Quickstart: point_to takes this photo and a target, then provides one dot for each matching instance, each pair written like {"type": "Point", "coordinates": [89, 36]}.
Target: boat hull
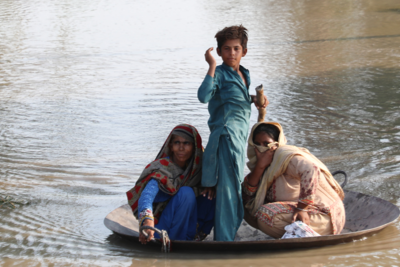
{"type": "Point", "coordinates": [365, 216]}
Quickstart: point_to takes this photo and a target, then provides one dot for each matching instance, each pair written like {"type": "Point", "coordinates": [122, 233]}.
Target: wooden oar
{"type": "Point", "coordinates": [261, 100]}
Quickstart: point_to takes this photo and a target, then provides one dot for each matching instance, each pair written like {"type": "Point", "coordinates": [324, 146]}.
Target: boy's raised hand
{"type": "Point", "coordinates": [209, 58]}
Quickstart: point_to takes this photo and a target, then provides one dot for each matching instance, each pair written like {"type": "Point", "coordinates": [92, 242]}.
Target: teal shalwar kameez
{"type": "Point", "coordinates": [224, 157]}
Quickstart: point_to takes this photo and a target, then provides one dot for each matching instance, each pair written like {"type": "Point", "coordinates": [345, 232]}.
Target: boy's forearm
{"type": "Point", "coordinates": [211, 70]}
{"type": "Point", "coordinates": [205, 92]}
{"type": "Point", "coordinates": [206, 89]}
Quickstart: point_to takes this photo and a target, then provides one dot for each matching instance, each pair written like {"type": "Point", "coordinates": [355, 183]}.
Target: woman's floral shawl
{"type": "Point", "coordinates": [170, 177]}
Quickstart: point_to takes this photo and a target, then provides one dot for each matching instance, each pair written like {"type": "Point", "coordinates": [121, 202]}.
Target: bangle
{"type": "Point", "coordinates": [301, 209]}
{"type": "Point", "coordinates": [145, 214]}
{"type": "Point", "coordinates": [145, 218]}
{"type": "Point", "coordinates": [247, 181]}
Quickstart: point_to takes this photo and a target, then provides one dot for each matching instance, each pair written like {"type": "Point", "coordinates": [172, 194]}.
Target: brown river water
{"type": "Point", "coordinates": [89, 91]}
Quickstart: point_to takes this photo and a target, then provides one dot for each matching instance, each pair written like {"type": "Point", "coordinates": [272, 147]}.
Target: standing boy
{"type": "Point", "coordinates": [226, 88]}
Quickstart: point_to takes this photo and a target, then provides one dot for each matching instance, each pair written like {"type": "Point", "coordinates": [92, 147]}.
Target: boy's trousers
{"type": "Point", "coordinates": [229, 208]}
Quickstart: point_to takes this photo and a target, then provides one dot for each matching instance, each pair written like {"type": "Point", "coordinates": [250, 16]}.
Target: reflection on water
{"type": "Point", "coordinates": [89, 91]}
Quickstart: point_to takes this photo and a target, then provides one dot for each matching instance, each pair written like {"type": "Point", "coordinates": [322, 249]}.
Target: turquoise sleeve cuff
{"type": "Point", "coordinates": [206, 90]}
{"type": "Point", "coordinates": [208, 79]}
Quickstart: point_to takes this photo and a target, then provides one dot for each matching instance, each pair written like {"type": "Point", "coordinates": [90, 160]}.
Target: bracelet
{"type": "Point", "coordinates": [145, 218]}
{"type": "Point", "coordinates": [249, 189]}
{"type": "Point", "coordinates": [247, 181]}
{"type": "Point", "coordinates": [301, 209]}
{"type": "Point", "coordinates": [145, 214]}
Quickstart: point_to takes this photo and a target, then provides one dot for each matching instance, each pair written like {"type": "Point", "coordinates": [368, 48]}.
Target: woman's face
{"type": "Point", "coordinates": [263, 139]}
{"type": "Point", "coordinates": [181, 150]}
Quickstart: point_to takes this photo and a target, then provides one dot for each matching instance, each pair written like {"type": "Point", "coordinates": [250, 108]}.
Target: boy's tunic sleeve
{"type": "Point", "coordinates": [208, 88]}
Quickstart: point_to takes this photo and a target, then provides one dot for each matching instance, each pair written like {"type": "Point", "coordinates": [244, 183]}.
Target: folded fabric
{"type": "Point", "coordinates": [262, 149]}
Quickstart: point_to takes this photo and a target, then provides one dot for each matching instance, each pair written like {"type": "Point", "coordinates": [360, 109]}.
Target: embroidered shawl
{"type": "Point", "coordinates": [279, 164]}
{"type": "Point", "coordinates": [170, 176]}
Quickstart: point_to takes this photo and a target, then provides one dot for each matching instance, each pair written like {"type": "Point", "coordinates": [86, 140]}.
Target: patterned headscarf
{"type": "Point", "coordinates": [170, 176]}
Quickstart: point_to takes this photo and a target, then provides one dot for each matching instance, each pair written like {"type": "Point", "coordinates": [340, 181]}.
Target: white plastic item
{"type": "Point", "coordinates": [298, 229]}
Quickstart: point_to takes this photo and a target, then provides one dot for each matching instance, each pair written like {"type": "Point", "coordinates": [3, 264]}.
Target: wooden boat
{"type": "Point", "coordinates": [365, 216]}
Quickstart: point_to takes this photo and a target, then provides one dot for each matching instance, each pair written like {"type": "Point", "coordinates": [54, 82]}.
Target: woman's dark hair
{"type": "Point", "coordinates": [269, 129]}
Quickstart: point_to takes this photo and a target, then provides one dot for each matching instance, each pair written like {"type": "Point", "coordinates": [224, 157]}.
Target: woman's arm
{"type": "Point", "coordinates": [248, 191]}
{"type": "Point", "coordinates": [145, 206]}
{"type": "Point", "coordinates": [263, 161]}
{"type": "Point", "coordinates": [308, 174]}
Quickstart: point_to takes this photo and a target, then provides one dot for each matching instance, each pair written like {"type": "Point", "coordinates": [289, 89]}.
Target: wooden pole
{"type": "Point", "coordinates": [261, 100]}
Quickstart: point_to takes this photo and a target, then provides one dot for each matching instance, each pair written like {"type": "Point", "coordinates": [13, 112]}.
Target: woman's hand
{"type": "Point", "coordinates": [210, 191]}
{"type": "Point", "coordinates": [150, 233]}
{"type": "Point", "coordinates": [300, 215]}
{"type": "Point", "coordinates": [264, 159]}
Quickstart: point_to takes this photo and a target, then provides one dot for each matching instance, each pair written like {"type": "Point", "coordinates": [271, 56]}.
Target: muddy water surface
{"type": "Point", "coordinates": [89, 91]}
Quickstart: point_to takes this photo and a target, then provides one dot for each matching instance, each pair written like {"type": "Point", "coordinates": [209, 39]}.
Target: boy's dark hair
{"type": "Point", "coordinates": [269, 129]}
{"type": "Point", "coordinates": [232, 32]}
